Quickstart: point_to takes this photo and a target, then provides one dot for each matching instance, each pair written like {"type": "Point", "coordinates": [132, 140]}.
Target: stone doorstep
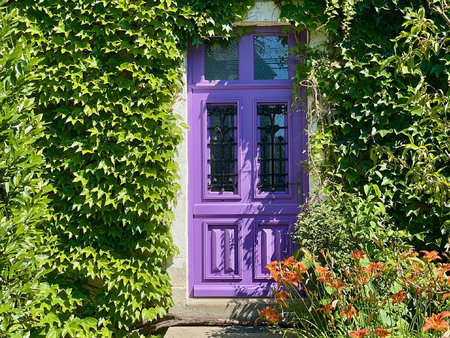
{"type": "Point", "coordinates": [218, 332]}
{"type": "Point", "coordinates": [241, 309]}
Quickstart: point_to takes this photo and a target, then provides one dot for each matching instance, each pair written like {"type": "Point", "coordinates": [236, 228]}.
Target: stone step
{"type": "Point", "coordinates": [218, 332]}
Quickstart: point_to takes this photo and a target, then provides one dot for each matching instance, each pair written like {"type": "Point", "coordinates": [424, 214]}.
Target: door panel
{"type": "Point", "coordinates": [222, 249]}
{"type": "Point", "coordinates": [272, 242]}
{"type": "Point", "coordinates": [246, 143]}
{"type": "Point", "coordinates": [233, 253]}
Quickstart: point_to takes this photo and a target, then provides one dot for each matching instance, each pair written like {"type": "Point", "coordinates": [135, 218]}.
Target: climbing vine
{"type": "Point", "coordinates": [106, 76]}
{"type": "Point", "coordinates": [380, 90]}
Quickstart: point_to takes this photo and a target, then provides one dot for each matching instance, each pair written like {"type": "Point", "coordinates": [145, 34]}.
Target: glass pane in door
{"type": "Point", "coordinates": [270, 57]}
{"type": "Point", "coordinates": [222, 147]}
{"type": "Point", "coordinates": [221, 60]}
{"type": "Point", "coordinates": [272, 146]}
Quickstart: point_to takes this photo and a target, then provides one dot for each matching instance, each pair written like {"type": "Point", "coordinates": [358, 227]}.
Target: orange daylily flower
{"type": "Point", "coordinates": [328, 307]}
{"type": "Point", "coordinates": [430, 256]}
{"type": "Point", "coordinates": [374, 267]}
{"type": "Point", "coordinates": [398, 297]}
{"type": "Point", "coordinates": [382, 332]}
{"type": "Point", "coordinates": [272, 266]}
{"type": "Point", "coordinates": [437, 322]}
{"type": "Point", "coordinates": [300, 267]}
{"type": "Point", "coordinates": [289, 261]}
{"type": "Point", "coordinates": [359, 334]}
{"type": "Point", "coordinates": [269, 314]}
{"type": "Point", "coordinates": [324, 273]}
{"type": "Point", "coordinates": [446, 295]}
{"type": "Point", "coordinates": [349, 312]}
{"type": "Point", "coordinates": [358, 254]}
{"type": "Point", "coordinates": [445, 266]}
{"type": "Point", "coordinates": [321, 269]}
{"type": "Point", "coordinates": [276, 275]}
{"type": "Point", "coordinates": [281, 295]}
{"type": "Point", "coordinates": [325, 277]}
{"type": "Point", "coordinates": [338, 285]}
{"type": "Point", "coordinates": [291, 278]}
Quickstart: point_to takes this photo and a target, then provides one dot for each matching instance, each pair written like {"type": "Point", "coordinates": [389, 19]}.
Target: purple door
{"type": "Point", "coordinates": [245, 146]}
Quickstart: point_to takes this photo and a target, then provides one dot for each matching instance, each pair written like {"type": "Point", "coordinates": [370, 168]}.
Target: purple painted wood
{"type": "Point", "coordinates": [272, 242]}
{"type": "Point", "coordinates": [234, 234]}
{"type": "Point", "coordinates": [222, 256]}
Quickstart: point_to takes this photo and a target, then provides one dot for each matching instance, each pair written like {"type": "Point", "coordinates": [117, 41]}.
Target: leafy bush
{"type": "Point", "coordinates": [381, 100]}
{"type": "Point", "coordinates": [402, 296]}
{"type": "Point", "coordinates": [344, 223]}
{"type": "Point", "coordinates": [28, 304]}
{"type": "Point", "coordinates": [321, 224]}
{"type": "Point", "coordinates": [22, 193]}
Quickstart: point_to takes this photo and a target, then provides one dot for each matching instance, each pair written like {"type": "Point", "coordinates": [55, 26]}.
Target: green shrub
{"type": "Point", "coordinates": [381, 102]}
{"type": "Point", "coordinates": [23, 201]}
{"type": "Point", "coordinates": [321, 224]}
{"type": "Point", "coordinates": [344, 223]}
{"type": "Point", "coordinates": [28, 305]}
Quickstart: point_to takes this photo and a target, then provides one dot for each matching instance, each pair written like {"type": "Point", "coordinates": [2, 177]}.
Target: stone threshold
{"type": "Point", "coordinates": [218, 332]}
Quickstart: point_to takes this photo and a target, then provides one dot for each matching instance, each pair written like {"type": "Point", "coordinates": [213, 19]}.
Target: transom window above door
{"type": "Point", "coordinates": [259, 57]}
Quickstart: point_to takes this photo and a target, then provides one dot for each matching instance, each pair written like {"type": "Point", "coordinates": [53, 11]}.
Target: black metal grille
{"type": "Point", "coordinates": [272, 147]}
{"type": "Point", "coordinates": [222, 147]}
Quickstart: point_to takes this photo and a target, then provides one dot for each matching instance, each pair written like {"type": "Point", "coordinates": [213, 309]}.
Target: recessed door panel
{"type": "Point", "coordinates": [222, 250]}
{"type": "Point", "coordinates": [272, 243]}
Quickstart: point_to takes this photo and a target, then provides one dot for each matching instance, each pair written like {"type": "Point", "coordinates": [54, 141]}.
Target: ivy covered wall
{"type": "Point", "coordinates": [106, 77]}
{"type": "Point", "coordinates": [380, 92]}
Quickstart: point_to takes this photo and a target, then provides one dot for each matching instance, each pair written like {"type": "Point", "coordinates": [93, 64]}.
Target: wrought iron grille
{"type": "Point", "coordinates": [222, 147]}
{"type": "Point", "coordinates": [272, 147]}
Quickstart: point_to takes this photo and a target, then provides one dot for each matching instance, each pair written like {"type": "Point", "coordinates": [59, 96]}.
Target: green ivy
{"type": "Point", "coordinates": [27, 303]}
{"type": "Point", "coordinates": [380, 91]}
{"type": "Point", "coordinates": [107, 75]}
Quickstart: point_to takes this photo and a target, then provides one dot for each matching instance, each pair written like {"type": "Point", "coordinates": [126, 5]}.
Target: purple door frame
{"type": "Point", "coordinates": [232, 235]}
